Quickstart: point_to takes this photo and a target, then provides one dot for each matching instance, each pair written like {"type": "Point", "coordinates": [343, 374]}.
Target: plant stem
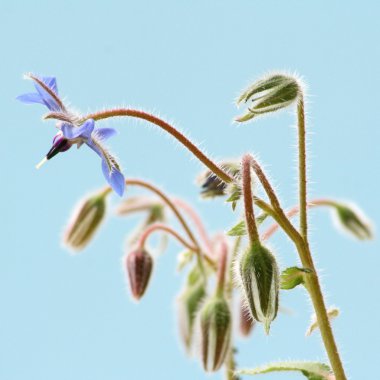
{"type": "Point", "coordinates": [162, 227]}
{"type": "Point", "coordinates": [197, 222]}
{"type": "Point", "coordinates": [312, 281]}
{"type": "Point", "coordinates": [294, 211]}
{"type": "Point", "coordinates": [302, 169]}
{"type": "Point", "coordinates": [216, 169]}
{"type": "Point", "coordinates": [248, 197]}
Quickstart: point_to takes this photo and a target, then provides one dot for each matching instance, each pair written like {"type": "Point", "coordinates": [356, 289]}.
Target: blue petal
{"type": "Point", "coordinates": [71, 132]}
{"type": "Point", "coordinates": [30, 98]}
{"type": "Point", "coordinates": [47, 98]}
{"type": "Point", "coordinates": [105, 133]}
{"type": "Point", "coordinates": [115, 178]}
{"type": "Point", "coordinates": [51, 82]}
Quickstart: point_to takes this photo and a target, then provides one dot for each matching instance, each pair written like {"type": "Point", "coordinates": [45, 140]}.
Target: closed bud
{"type": "Point", "coordinates": [212, 185]}
{"type": "Point", "coordinates": [215, 323]}
{"type": "Point", "coordinates": [259, 275]}
{"type": "Point", "coordinates": [352, 221]}
{"type": "Point", "coordinates": [188, 305]}
{"type": "Point", "coordinates": [269, 94]}
{"type": "Point", "coordinates": [85, 221]}
{"type": "Point", "coordinates": [139, 265]}
{"type": "Point", "coordinates": [246, 322]}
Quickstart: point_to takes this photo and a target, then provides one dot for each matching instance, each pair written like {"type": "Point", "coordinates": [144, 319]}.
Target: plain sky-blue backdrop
{"type": "Point", "coordinates": [70, 317]}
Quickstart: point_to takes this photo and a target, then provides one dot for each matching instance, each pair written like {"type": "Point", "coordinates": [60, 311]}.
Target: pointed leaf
{"type": "Point", "coordinates": [312, 370]}
{"type": "Point", "coordinates": [292, 277]}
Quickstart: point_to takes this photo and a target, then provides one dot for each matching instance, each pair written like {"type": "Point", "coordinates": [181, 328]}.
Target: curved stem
{"type": "Point", "coordinates": [166, 127]}
{"type": "Point", "coordinates": [163, 227]}
{"type": "Point", "coordinates": [247, 195]}
{"type": "Point", "coordinates": [294, 211]}
{"type": "Point", "coordinates": [197, 222]}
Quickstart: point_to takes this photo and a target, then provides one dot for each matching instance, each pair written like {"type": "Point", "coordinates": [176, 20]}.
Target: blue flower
{"type": "Point", "coordinates": [73, 132]}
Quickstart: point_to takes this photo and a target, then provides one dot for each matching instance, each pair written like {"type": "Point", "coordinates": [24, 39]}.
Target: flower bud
{"type": "Point", "coordinates": [259, 275]}
{"type": "Point", "coordinates": [139, 265]}
{"type": "Point", "coordinates": [212, 185]}
{"type": "Point", "coordinates": [85, 221]}
{"type": "Point", "coordinates": [188, 304]}
{"type": "Point", "coordinates": [246, 322]}
{"type": "Point", "coordinates": [352, 221]}
{"type": "Point", "coordinates": [269, 94]}
{"type": "Point", "coordinates": [215, 322]}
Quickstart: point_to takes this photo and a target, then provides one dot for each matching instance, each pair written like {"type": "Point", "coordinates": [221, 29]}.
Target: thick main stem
{"type": "Point", "coordinates": [312, 281]}
{"type": "Point", "coordinates": [168, 128]}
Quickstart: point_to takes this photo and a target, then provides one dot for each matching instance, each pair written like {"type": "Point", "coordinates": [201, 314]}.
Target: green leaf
{"type": "Point", "coordinates": [238, 230]}
{"type": "Point", "coordinates": [332, 313]}
{"type": "Point", "coordinates": [312, 370]}
{"type": "Point", "coordinates": [292, 277]}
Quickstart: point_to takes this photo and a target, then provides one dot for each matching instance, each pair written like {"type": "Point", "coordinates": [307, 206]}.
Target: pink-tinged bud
{"type": "Point", "coordinates": [85, 221]}
{"type": "Point", "coordinates": [246, 322]}
{"type": "Point", "coordinates": [215, 320]}
{"type": "Point", "coordinates": [139, 265]}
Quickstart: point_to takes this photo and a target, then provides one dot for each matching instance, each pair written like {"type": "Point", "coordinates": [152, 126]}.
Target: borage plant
{"type": "Point", "coordinates": [249, 261]}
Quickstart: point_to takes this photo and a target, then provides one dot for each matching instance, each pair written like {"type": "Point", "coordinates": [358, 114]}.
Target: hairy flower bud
{"type": "Point", "coordinates": [188, 304]}
{"type": "Point", "coordinates": [269, 94]}
{"type": "Point", "coordinates": [259, 275]}
{"type": "Point", "coordinates": [85, 221]}
{"type": "Point", "coordinates": [212, 185]}
{"type": "Point", "coordinates": [215, 322]}
{"type": "Point", "coordinates": [352, 221]}
{"type": "Point", "coordinates": [139, 265]}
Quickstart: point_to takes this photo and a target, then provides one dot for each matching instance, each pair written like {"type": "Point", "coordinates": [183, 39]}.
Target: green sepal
{"type": "Point", "coordinates": [311, 370]}
{"type": "Point", "coordinates": [292, 277]}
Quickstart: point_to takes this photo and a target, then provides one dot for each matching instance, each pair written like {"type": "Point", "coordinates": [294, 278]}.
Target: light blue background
{"type": "Point", "coordinates": [65, 317]}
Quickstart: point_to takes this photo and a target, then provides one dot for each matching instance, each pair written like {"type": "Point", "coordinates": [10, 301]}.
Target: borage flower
{"type": "Point", "coordinates": [72, 131]}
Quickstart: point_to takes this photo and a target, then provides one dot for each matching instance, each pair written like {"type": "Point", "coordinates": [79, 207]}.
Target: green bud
{"type": "Point", "coordinates": [259, 275]}
{"type": "Point", "coordinates": [188, 303]}
{"type": "Point", "coordinates": [269, 94]}
{"type": "Point", "coordinates": [215, 322]}
{"type": "Point", "coordinates": [85, 221]}
{"type": "Point", "coordinates": [352, 221]}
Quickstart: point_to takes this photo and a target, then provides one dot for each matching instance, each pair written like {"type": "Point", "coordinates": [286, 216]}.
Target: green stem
{"type": "Point", "coordinates": [302, 167]}
{"type": "Point", "coordinates": [312, 282]}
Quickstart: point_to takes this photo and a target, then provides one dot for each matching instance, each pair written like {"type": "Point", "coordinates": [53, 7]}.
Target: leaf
{"type": "Point", "coordinates": [292, 277]}
{"type": "Point", "coordinates": [312, 370]}
{"type": "Point", "coordinates": [240, 229]}
{"type": "Point", "coordinates": [332, 313]}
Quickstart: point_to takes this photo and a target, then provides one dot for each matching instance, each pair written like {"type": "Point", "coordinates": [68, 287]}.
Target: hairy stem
{"type": "Point", "coordinates": [163, 227]}
{"type": "Point", "coordinates": [248, 197]}
{"type": "Point", "coordinates": [302, 169]}
{"type": "Point", "coordinates": [197, 222]}
{"type": "Point", "coordinates": [224, 176]}
{"type": "Point", "coordinates": [294, 211]}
